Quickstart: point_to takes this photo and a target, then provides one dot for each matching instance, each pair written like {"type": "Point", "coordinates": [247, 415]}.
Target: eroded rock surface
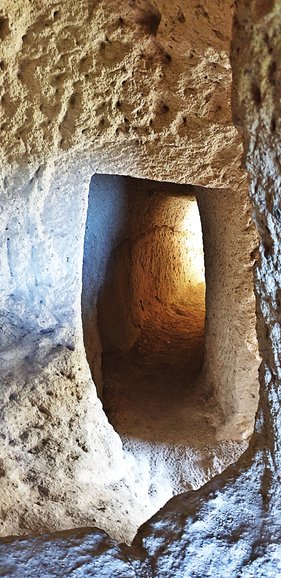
{"type": "Point", "coordinates": [232, 524]}
{"type": "Point", "coordinates": [97, 78]}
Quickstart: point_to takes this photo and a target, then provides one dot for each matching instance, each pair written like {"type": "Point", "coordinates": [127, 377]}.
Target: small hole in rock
{"type": "Point", "coordinates": [4, 27]}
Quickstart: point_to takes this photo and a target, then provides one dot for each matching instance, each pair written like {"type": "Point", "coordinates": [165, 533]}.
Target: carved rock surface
{"type": "Point", "coordinates": [51, 414]}
{"type": "Point", "coordinates": [97, 78]}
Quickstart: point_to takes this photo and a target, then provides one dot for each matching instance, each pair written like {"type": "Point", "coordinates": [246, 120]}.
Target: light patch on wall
{"type": "Point", "coordinates": [191, 225]}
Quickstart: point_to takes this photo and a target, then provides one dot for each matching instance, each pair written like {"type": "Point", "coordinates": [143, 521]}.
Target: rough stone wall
{"type": "Point", "coordinates": [96, 78]}
{"type": "Point", "coordinates": [231, 358]}
{"type": "Point", "coordinates": [105, 226]}
{"type": "Point", "coordinates": [57, 64]}
{"type": "Point", "coordinates": [233, 522]}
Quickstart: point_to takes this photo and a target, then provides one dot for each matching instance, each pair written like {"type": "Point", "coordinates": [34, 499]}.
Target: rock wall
{"type": "Point", "coordinates": [105, 227]}
{"type": "Point", "coordinates": [231, 358]}
{"type": "Point", "coordinates": [233, 522]}
{"type": "Point", "coordinates": [96, 80]}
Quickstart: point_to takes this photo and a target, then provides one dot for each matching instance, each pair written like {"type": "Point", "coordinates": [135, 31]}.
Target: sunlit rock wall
{"type": "Point", "coordinates": [232, 525]}
{"type": "Point", "coordinates": [96, 78]}
{"type": "Point", "coordinates": [85, 88]}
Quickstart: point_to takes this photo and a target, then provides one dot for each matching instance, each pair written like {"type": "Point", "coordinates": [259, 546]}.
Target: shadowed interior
{"type": "Point", "coordinates": [151, 308]}
{"type": "Point", "coordinates": [154, 352]}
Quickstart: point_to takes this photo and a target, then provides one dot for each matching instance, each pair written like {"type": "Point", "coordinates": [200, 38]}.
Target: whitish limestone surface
{"type": "Point", "coordinates": [59, 453]}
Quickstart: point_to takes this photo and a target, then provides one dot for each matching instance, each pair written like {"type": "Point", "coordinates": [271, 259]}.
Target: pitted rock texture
{"type": "Point", "coordinates": [214, 530]}
{"type": "Point", "coordinates": [232, 525]}
{"type": "Point", "coordinates": [97, 78]}
{"type": "Point", "coordinates": [70, 76]}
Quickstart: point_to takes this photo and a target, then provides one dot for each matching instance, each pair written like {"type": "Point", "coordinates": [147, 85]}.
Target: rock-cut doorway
{"type": "Point", "coordinates": [144, 318]}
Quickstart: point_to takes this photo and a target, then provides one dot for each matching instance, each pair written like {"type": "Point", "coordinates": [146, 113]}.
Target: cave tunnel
{"type": "Point", "coordinates": [144, 290]}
